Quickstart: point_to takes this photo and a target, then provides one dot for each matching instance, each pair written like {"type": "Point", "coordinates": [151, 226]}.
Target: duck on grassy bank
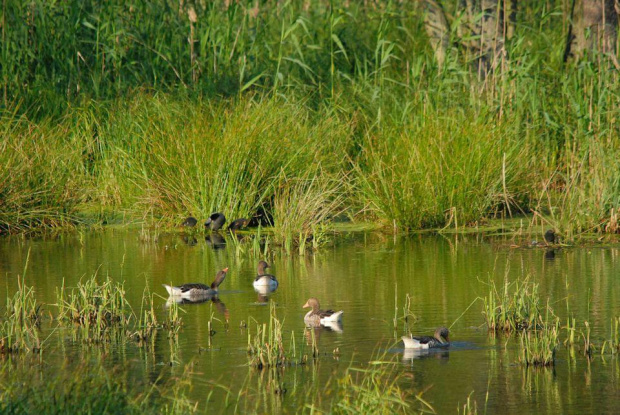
{"type": "Point", "coordinates": [317, 317]}
{"type": "Point", "coordinates": [190, 222]}
{"type": "Point", "coordinates": [440, 339]}
{"type": "Point", "coordinates": [196, 291]}
{"type": "Point", "coordinates": [263, 279]}
{"type": "Point", "coordinates": [238, 224]}
{"type": "Point", "coordinates": [215, 221]}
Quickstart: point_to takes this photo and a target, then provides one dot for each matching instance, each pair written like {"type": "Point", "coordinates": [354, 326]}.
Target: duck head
{"type": "Point", "coordinates": [219, 278]}
{"type": "Point", "coordinates": [312, 302]}
{"type": "Point", "coordinates": [262, 265]}
{"type": "Point", "coordinates": [442, 334]}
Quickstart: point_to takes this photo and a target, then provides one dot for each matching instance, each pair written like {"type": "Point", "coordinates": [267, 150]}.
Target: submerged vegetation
{"type": "Point", "coordinates": [156, 111]}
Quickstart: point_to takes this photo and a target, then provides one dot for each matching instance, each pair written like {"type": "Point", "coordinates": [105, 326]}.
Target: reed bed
{"type": "Point", "coordinates": [152, 112]}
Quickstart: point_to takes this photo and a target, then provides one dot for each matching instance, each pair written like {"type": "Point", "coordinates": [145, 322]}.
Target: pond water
{"type": "Point", "coordinates": [367, 276]}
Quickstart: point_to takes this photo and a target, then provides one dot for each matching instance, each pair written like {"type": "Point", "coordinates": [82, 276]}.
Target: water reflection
{"type": "Point", "coordinates": [412, 354]}
{"type": "Point", "coordinates": [368, 275]}
{"type": "Point", "coordinates": [215, 240]}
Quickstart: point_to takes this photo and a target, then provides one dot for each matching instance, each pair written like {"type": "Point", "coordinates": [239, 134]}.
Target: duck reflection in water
{"type": "Point", "coordinates": [189, 240]}
{"type": "Point", "coordinates": [215, 240]}
{"type": "Point", "coordinates": [550, 254]}
{"type": "Point", "coordinates": [219, 305]}
{"type": "Point", "coordinates": [411, 354]}
{"type": "Point", "coordinates": [264, 292]}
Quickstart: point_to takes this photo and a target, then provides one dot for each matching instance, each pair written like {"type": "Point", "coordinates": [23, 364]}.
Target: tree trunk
{"type": "Point", "coordinates": [482, 30]}
{"type": "Point", "coordinates": [593, 29]}
{"type": "Point", "coordinates": [438, 30]}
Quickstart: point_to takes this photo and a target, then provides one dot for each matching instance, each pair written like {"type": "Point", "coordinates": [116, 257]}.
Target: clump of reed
{"type": "Point", "coordinates": [469, 408]}
{"type": "Point", "coordinates": [538, 346]}
{"type": "Point", "coordinates": [303, 206]}
{"type": "Point", "coordinates": [374, 389]}
{"type": "Point", "coordinates": [147, 321]}
{"type": "Point", "coordinates": [266, 347]}
{"type": "Point", "coordinates": [439, 171]}
{"type": "Point", "coordinates": [19, 329]}
{"type": "Point", "coordinates": [513, 306]}
{"type": "Point", "coordinates": [95, 390]}
{"type": "Point", "coordinates": [41, 175]}
{"type": "Point", "coordinates": [95, 306]}
{"type": "Point", "coordinates": [174, 321]}
{"type": "Point", "coordinates": [613, 343]}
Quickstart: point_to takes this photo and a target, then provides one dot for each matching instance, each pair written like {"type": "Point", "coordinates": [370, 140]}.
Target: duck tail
{"type": "Point", "coordinates": [172, 290]}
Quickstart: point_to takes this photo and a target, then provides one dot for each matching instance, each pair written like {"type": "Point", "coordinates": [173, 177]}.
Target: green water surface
{"type": "Point", "coordinates": [367, 276]}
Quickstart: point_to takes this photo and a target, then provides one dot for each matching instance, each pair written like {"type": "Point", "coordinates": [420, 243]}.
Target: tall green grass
{"type": "Point", "coordinates": [120, 114]}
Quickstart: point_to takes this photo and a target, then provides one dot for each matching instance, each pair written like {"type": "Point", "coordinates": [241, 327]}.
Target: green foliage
{"type": "Point", "coordinates": [256, 103]}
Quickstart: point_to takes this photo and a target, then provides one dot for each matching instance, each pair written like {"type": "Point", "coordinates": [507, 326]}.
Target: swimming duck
{"type": "Point", "coordinates": [316, 317]}
{"type": "Point", "coordinates": [440, 339]}
{"type": "Point", "coordinates": [237, 224]}
{"type": "Point", "coordinates": [194, 291]}
{"type": "Point", "coordinates": [215, 221]}
{"type": "Point", "coordinates": [263, 279]}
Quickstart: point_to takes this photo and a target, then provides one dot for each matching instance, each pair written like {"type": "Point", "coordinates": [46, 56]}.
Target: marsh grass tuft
{"type": "Point", "coordinates": [512, 307]}
{"type": "Point", "coordinates": [538, 346]}
{"type": "Point", "coordinates": [470, 407]}
{"type": "Point", "coordinates": [266, 347]}
{"type": "Point", "coordinates": [97, 307]}
{"type": "Point", "coordinates": [374, 389]}
{"type": "Point", "coordinates": [19, 329]}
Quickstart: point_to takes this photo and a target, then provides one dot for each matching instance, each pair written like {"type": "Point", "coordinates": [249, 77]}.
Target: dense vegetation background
{"type": "Point", "coordinates": [402, 113]}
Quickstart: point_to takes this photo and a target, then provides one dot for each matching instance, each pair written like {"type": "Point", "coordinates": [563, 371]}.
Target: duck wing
{"type": "Point", "coordinates": [325, 313]}
{"type": "Point", "coordinates": [194, 285]}
{"type": "Point", "coordinates": [424, 339]}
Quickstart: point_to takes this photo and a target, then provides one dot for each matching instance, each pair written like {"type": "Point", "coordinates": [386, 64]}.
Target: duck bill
{"type": "Point", "coordinates": [225, 269]}
{"type": "Point", "coordinates": [306, 305]}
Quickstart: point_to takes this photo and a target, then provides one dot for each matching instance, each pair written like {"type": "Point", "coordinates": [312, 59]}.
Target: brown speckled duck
{"type": "Point", "coordinates": [440, 339]}
{"type": "Point", "coordinates": [193, 291]}
{"type": "Point", "coordinates": [317, 317]}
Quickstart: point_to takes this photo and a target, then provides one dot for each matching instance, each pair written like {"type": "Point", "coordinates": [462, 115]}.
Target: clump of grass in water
{"type": "Point", "coordinates": [470, 407]}
{"type": "Point", "coordinates": [20, 328]}
{"type": "Point", "coordinates": [96, 307]}
{"type": "Point", "coordinates": [266, 348]}
{"type": "Point", "coordinates": [147, 322]}
{"type": "Point", "coordinates": [374, 390]}
{"type": "Point", "coordinates": [538, 346]}
{"type": "Point", "coordinates": [514, 307]}
{"type": "Point", "coordinates": [614, 340]}
{"type": "Point", "coordinates": [174, 322]}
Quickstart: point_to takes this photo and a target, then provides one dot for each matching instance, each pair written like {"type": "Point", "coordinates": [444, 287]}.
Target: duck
{"type": "Point", "coordinates": [440, 339]}
{"type": "Point", "coordinates": [238, 224]}
{"type": "Point", "coordinates": [194, 291]}
{"type": "Point", "coordinates": [215, 221]}
{"type": "Point", "coordinates": [317, 317]}
{"type": "Point", "coordinates": [550, 236]}
{"type": "Point", "coordinates": [263, 279]}
{"type": "Point", "coordinates": [190, 222]}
